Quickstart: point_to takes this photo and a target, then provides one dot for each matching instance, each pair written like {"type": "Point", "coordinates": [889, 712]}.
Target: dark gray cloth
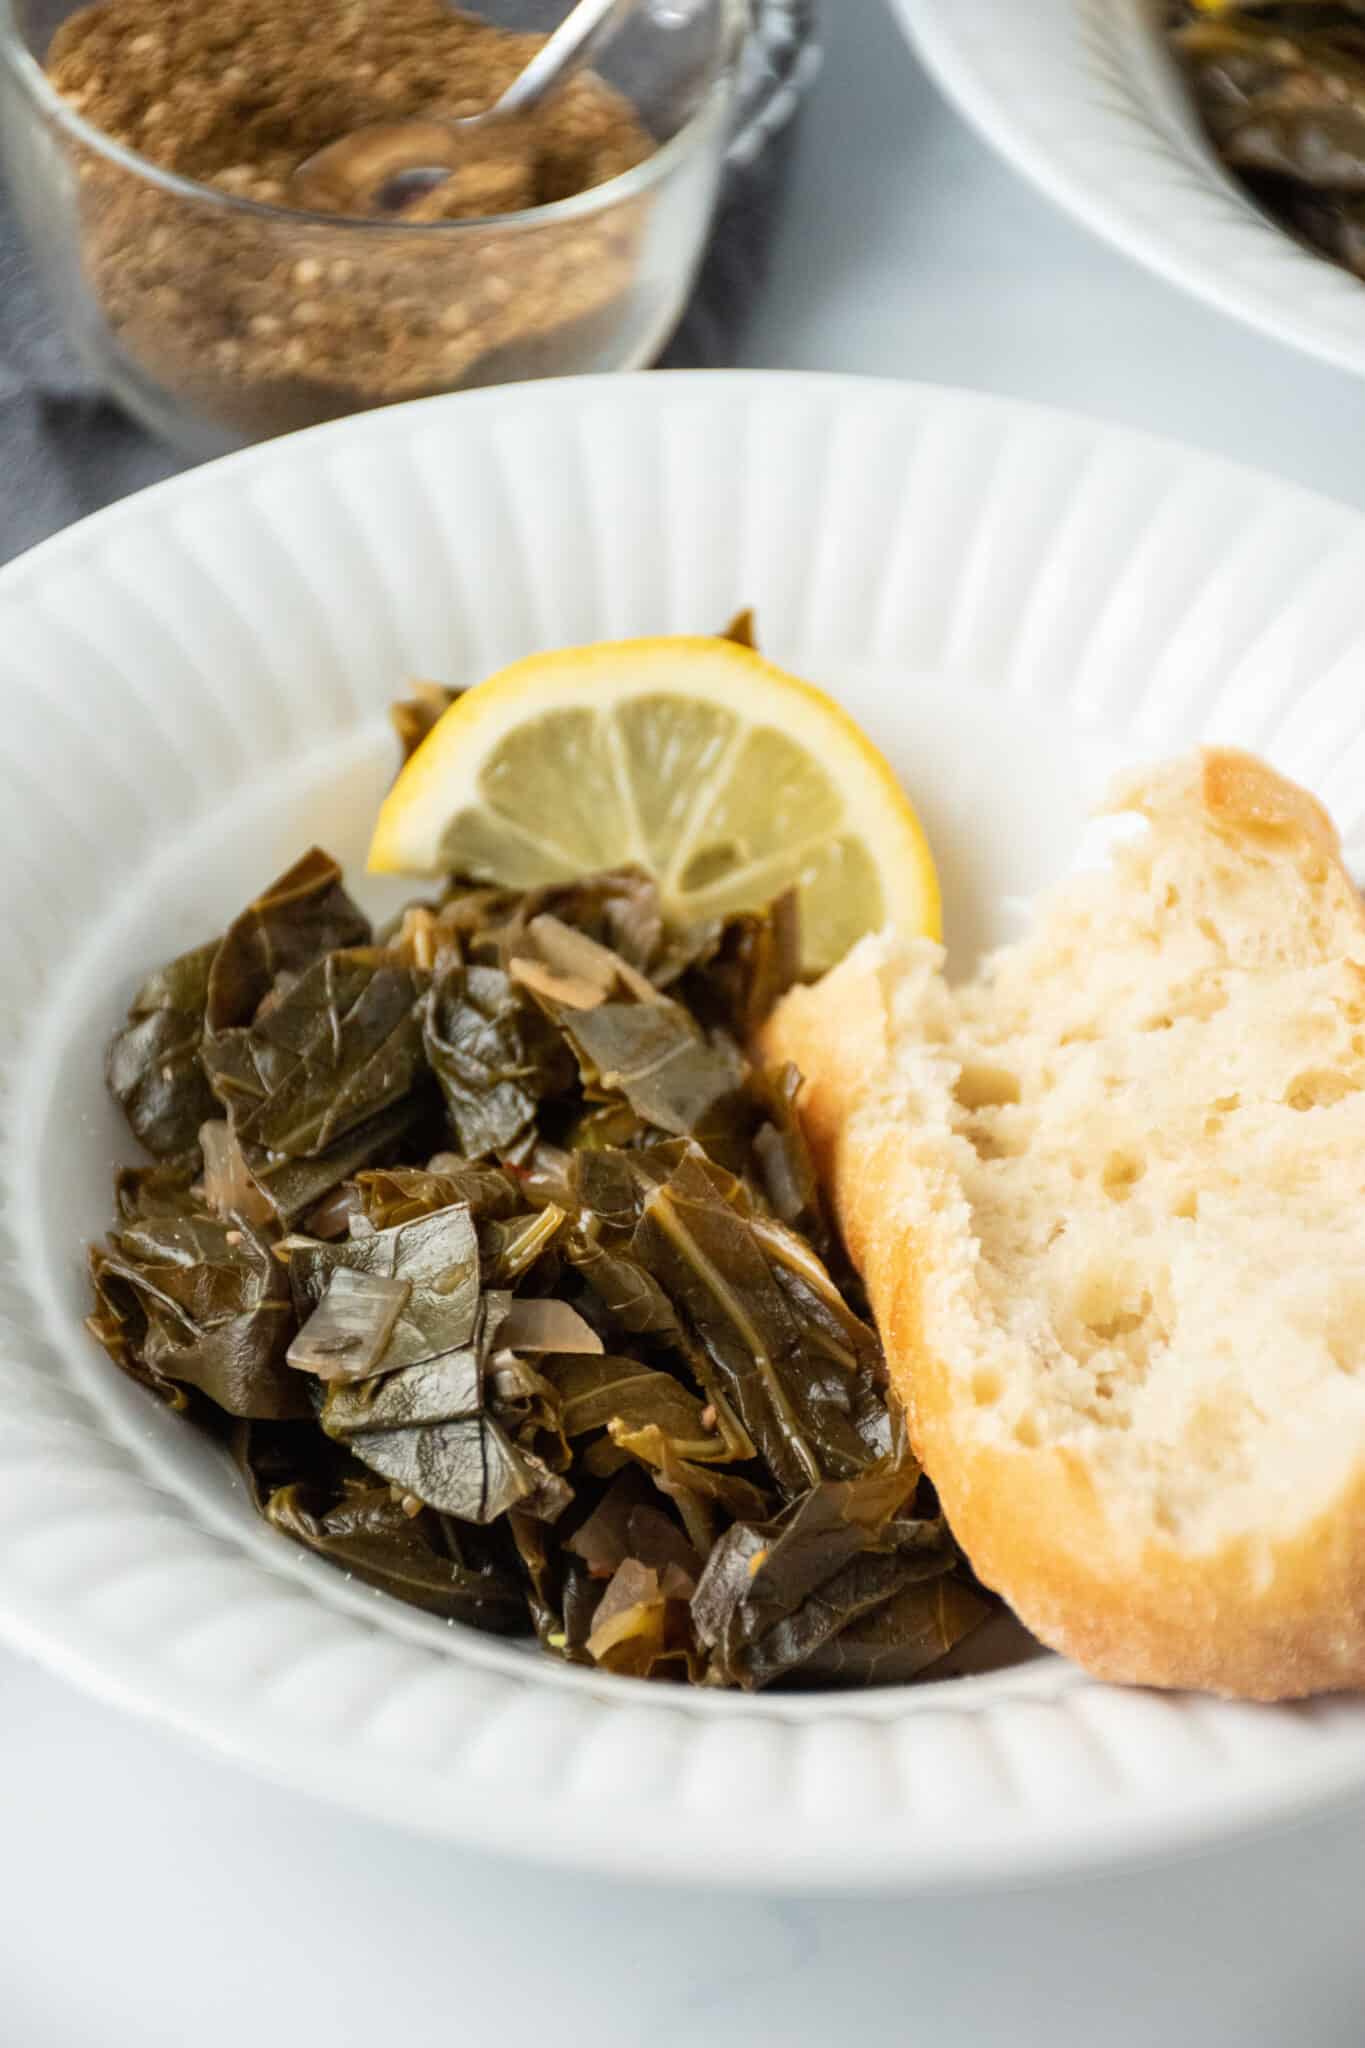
{"type": "Point", "coordinates": [65, 450]}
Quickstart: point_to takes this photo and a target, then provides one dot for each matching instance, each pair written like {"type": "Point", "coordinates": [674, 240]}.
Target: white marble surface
{"type": "Point", "coordinates": [153, 1896]}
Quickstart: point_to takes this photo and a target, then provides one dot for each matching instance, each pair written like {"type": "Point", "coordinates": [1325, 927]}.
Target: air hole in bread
{"type": "Point", "coordinates": [987, 1387]}
{"type": "Point", "coordinates": [1221, 1107]}
{"type": "Point", "coordinates": [1344, 1350]}
{"type": "Point", "coordinates": [1118, 1326]}
{"type": "Point", "coordinates": [1027, 1433]}
{"type": "Point", "coordinates": [1319, 1088]}
{"type": "Point", "coordinates": [1111, 1312]}
{"type": "Point", "coordinates": [985, 1087]}
{"type": "Point", "coordinates": [1122, 1172]}
{"type": "Point", "coordinates": [1202, 999]}
{"type": "Point", "coordinates": [1211, 932]}
{"type": "Point", "coordinates": [991, 1140]}
{"type": "Point", "coordinates": [1187, 1205]}
{"type": "Point", "coordinates": [1098, 1296]}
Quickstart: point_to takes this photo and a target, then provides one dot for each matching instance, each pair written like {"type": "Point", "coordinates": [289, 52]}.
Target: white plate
{"type": "Point", "coordinates": [1083, 98]}
{"type": "Point", "coordinates": [194, 686]}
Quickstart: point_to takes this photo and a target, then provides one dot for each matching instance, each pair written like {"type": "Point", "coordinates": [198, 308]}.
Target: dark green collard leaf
{"type": "Point", "coordinates": [418, 1419]}
{"type": "Point", "coordinates": [293, 1187]}
{"type": "Point", "coordinates": [610, 1127]}
{"type": "Point", "coordinates": [561, 1594]}
{"type": "Point", "coordinates": [784, 1562]}
{"type": "Point", "coordinates": [786, 1169]}
{"type": "Point", "coordinates": [834, 1522]}
{"type": "Point", "coordinates": [447, 1388]}
{"type": "Point", "coordinates": [343, 1044]}
{"type": "Point", "coordinates": [528, 1406]}
{"type": "Point", "coordinates": [541, 1561]}
{"type": "Point", "coordinates": [421, 1559]}
{"type": "Point", "coordinates": [186, 1301]}
{"type": "Point", "coordinates": [773, 1598]}
{"type": "Point", "coordinates": [628, 1292]}
{"type": "Point", "coordinates": [153, 1067]}
{"type": "Point", "coordinates": [630, 1399]}
{"type": "Point", "coordinates": [900, 1640]}
{"type": "Point", "coordinates": [400, 1194]}
{"type": "Point", "coordinates": [422, 1419]}
{"type": "Point", "coordinates": [741, 966]}
{"type": "Point", "coordinates": [707, 1498]}
{"type": "Point", "coordinates": [788, 1644]}
{"type": "Point", "coordinates": [469, 1469]}
{"type": "Point", "coordinates": [720, 1603]}
{"type": "Point", "coordinates": [301, 917]}
{"type": "Point", "coordinates": [831, 1329]}
{"type": "Point", "coordinates": [458, 1467]}
{"type": "Point", "coordinates": [673, 1078]}
{"type": "Point", "coordinates": [607, 1189]}
{"type": "Point", "coordinates": [438, 1255]}
{"type": "Point", "coordinates": [802, 1407]}
{"type": "Point", "coordinates": [166, 1189]}
{"type": "Point", "coordinates": [495, 1059]}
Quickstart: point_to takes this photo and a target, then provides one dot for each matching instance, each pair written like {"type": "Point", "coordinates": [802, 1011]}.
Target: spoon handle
{"type": "Point", "coordinates": [574, 43]}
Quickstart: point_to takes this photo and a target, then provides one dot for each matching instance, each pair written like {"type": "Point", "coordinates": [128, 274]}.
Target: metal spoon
{"type": "Point", "coordinates": [384, 166]}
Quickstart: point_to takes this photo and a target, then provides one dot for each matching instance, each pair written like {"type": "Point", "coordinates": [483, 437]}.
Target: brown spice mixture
{"type": "Point", "coordinates": [260, 323]}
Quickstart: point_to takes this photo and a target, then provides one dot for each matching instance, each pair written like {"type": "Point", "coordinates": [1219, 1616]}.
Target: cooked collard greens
{"type": "Point", "coordinates": [503, 1269]}
{"type": "Point", "coordinates": [1280, 88]}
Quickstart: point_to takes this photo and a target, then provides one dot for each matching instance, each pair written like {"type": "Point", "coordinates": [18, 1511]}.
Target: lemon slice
{"type": "Point", "coordinates": [728, 779]}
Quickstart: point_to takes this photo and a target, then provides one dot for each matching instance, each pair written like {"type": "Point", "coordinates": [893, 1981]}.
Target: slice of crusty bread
{"type": "Point", "coordinates": [1109, 1203]}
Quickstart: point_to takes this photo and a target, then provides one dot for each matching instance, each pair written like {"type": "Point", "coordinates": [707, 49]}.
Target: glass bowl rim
{"type": "Point", "coordinates": [734, 21]}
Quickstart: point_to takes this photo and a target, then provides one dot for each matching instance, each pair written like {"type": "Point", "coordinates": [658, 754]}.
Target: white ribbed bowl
{"type": "Point", "coordinates": [1082, 97]}
{"type": "Point", "coordinates": [193, 687]}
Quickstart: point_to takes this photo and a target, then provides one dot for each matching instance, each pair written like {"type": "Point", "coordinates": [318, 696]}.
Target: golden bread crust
{"type": "Point", "coordinates": [1269, 1620]}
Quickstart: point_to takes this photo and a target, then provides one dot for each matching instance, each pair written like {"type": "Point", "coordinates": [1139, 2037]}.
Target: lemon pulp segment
{"type": "Point", "coordinates": [696, 759]}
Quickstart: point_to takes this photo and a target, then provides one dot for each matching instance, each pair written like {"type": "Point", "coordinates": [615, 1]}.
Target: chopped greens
{"type": "Point", "coordinates": [505, 1271]}
{"type": "Point", "coordinates": [1280, 88]}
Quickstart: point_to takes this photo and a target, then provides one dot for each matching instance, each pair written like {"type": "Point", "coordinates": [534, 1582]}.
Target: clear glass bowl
{"type": "Point", "coordinates": [218, 320]}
